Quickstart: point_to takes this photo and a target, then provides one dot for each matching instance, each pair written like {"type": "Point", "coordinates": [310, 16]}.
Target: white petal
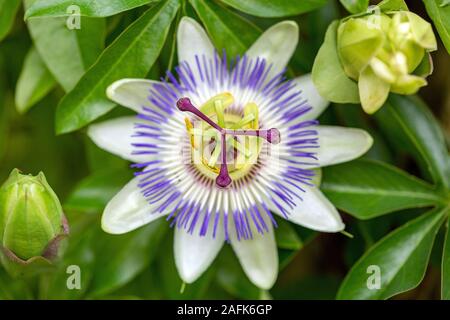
{"type": "Point", "coordinates": [276, 45]}
{"type": "Point", "coordinates": [310, 93]}
{"type": "Point", "coordinates": [192, 40]}
{"type": "Point", "coordinates": [338, 144]}
{"type": "Point", "coordinates": [314, 211]}
{"type": "Point", "coordinates": [115, 136]}
{"type": "Point", "coordinates": [131, 93]}
{"type": "Point", "coordinates": [193, 253]}
{"type": "Point", "coordinates": [258, 256]}
{"type": "Point", "coordinates": [128, 210]}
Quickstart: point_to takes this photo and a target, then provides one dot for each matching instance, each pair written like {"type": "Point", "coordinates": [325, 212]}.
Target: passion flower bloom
{"type": "Point", "coordinates": [222, 146]}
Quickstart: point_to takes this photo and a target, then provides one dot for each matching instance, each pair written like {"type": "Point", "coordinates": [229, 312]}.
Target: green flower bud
{"type": "Point", "coordinates": [385, 52]}
{"type": "Point", "coordinates": [31, 218]}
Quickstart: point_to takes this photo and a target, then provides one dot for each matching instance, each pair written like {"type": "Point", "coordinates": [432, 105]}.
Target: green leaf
{"type": "Point", "coordinates": [67, 53]}
{"type": "Point", "coordinates": [368, 188]}
{"type": "Point", "coordinates": [355, 6]}
{"type": "Point", "coordinates": [121, 258]}
{"type": "Point", "coordinates": [94, 192]}
{"type": "Point", "coordinates": [8, 11]}
{"type": "Point", "coordinates": [402, 257]}
{"type": "Point", "coordinates": [440, 16]}
{"type": "Point", "coordinates": [275, 8]}
{"type": "Point", "coordinates": [88, 8]}
{"type": "Point", "coordinates": [141, 42]}
{"type": "Point", "coordinates": [35, 82]}
{"type": "Point", "coordinates": [409, 124]}
{"type": "Point", "coordinates": [328, 74]}
{"type": "Point", "coordinates": [225, 27]}
{"type": "Point", "coordinates": [446, 267]}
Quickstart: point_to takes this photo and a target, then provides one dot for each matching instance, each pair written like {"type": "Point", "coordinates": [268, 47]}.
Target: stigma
{"type": "Point", "coordinates": [227, 134]}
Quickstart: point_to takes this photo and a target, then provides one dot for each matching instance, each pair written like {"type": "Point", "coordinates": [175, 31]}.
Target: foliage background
{"type": "Point", "coordinates": [140, 264]}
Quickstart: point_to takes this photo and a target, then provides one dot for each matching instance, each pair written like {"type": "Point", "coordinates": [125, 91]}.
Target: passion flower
{"type": "Point", "coordinates": [224, 145]}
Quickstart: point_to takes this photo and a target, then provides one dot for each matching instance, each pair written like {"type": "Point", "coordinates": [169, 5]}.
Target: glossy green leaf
{"type": "Point", "coordinates": [329, 76]}
{"type": "Point", "coordinates": [141, 42]}
{"type": "Point", "coordinates": [35, 82]}
{"type": "Point", "coordinates": [407, 121]}
{"type": "Point", "coordinates": [367, 189]}
{"type": "Point", "coordinates": [8, 11]}
{"type": "Point", "coordinates": [441, 19]}
{"type": "Point", "coordinates": [67, 53]}
{"type": "Point", "coordinates": [93, 193]}
{"type": "Point", "coordinates": [401, 259]}
{"type": "Point", "coordinates": [121, 258]}
{"type": "Point", "coordinates": [275, 8]}
{"type": "Point", "coordinates": [98, 8]}
{"type": "Point", "coordinates": [225, 27]}
{"type": "Point", "coordinates": [355, 6]}
{"type": "Point", "coordinates": [446, 267]}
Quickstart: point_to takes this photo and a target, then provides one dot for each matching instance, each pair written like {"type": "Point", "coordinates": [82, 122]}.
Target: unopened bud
{"type": "Point", "coordinates": [32, 222]}
{"type": "Point", "coordinates": [393, 57]}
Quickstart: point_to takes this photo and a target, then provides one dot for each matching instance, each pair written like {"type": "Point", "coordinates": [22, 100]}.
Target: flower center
{"type": "Point", "coordinates": [225, 143]}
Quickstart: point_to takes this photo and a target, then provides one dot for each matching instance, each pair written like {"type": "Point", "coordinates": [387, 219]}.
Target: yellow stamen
{"type": "Point", "coordinates": [218, 106]}
{"type": "Point", "coordinates": [252, 109]}
{"type": "Point", "coordinates": [226, 99]}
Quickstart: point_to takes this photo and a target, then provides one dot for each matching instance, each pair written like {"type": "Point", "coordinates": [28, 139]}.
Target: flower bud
{"type": "Point", "coordinates": [31, 218]}
{"type": "Point", "coordinates": [386, 52]}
